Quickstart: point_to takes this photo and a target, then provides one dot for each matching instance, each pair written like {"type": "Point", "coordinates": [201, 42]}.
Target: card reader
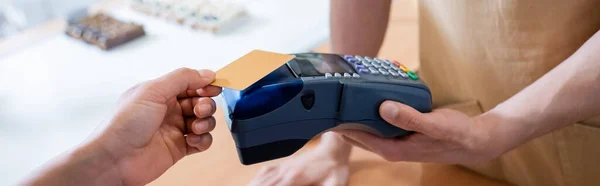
{"type": "Point", "coordinates": [314, 93]}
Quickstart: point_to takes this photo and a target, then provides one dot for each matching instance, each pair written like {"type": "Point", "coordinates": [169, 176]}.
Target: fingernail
{"type": "Point", "coordinates": [204, 142]}
{"type": "Point", "coordinates": [206, 108]}
{"type": "Point", "coordinates": [194, 139]}
{"type": "Point", "coordinates": [205, 138]}
{"type": "Point", "coordinates": [202, 126]}
{"type": "Point", "coordinates": [389, 109]}
{"type": "Point", "coordinates": [206, 73]}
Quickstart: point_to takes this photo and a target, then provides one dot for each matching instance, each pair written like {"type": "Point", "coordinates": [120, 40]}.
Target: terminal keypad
{"type": "Point", "coordinates": [380, 67]}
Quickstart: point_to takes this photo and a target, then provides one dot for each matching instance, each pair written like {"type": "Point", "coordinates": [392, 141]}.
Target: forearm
{"type": "Point", "coordinates": [85, 165]}
{"type": "Point", "coordinates": [567, 94]}
{"type": "Point", "coordinates": [358, 26]}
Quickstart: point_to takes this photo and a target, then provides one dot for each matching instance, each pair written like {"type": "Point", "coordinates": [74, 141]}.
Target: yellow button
{"type": "Point", "coordinates": [404, 68]}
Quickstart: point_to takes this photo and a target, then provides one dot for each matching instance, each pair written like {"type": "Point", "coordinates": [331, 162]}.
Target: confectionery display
{"type": "Point", "coordinates": [203, 15]}
{"type": "Point", "coordinates": [104, 31]}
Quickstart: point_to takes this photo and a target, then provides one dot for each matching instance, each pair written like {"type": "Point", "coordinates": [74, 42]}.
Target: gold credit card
{"type": "Point", "coordinates": [250, 68]}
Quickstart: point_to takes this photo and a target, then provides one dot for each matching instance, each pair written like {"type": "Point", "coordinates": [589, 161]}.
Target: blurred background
{"type": "Point", "coordinates": [18, 15]}
{"type": "Point", "coordinates": [57, 86]}
{"type": "Point", "coordinates": [59, 81]}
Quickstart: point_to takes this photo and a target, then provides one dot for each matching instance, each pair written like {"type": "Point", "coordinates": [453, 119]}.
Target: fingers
{"type": "Point", "coordinates": [201, 125]}
{"type": "Point", "coordinates": [267, 176]}
{"type": "Point", "coordinates": [338, 177]}
{"type": "Point", "coordinates": [206, 107]}
{"type": "Point", "coordinates": [180, 81]}
{"type": "Point", "coordinates": [209, 91]}
{"type": "Point", "coordinates": [416, 147]}
{"type": "Point", "coordinates": [408, 118]}
{"type": "Point", "coordinates": [387, 148]}
{"type": "Point", "coordinates": [294, 177]}
{"type": "Point", "coordinates": [188, 104]}
{"type": "Point", "coordinates": [199, 139]}
{"type": "Point", "coordinates": [355, 143]}
{"type": "Point", "coordinates": [198, 143]}
{"type": "Point", "coordinates": [187, 94]}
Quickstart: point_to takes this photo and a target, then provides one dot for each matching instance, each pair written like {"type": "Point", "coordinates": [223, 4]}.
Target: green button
{"type": "Point", "coordinates": [412, 75]}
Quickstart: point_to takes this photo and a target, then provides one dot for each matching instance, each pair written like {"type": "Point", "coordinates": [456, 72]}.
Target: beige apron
{"type": "Point", "coordinates": [476, 54]}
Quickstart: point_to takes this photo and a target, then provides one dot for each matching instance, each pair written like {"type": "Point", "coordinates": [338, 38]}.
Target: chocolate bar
{"type": "Point", "coordinates": [104, 31]}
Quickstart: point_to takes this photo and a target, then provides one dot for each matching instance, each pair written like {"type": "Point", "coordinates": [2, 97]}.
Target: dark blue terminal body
{"type": "Point", "coordinates": [314, 93]}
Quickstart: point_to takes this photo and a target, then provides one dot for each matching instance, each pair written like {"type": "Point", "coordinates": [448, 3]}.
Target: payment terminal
{"type": "Point", "coordinates": [314, 93]}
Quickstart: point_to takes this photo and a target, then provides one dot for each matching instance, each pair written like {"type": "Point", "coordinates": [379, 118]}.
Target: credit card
{"type": "Point", "coordinates": [250, 68]}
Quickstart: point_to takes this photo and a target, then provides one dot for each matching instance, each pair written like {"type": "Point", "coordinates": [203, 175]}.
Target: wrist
{"type": "Point", "coordinates": [333, 144]}
{"type": "Point", "coordinates": [97, 159]}
{"type": "Point", "coordinates": [501, 132]}
{"type": "Point", "coordinates": [92, 163]}
{"type": "Point", "coordinates": [87, 164]}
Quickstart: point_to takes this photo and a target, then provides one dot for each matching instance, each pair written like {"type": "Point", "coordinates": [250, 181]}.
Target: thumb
{"type": "Point", "coordinates": [407, 118]}
{"type": "Point", "coordinates": [181, 80]}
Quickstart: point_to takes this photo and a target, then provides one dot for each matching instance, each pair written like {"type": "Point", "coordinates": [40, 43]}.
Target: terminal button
{"type": "Point", "coordinates": [394, 73]}
{"type": "Point", "coordinates": [359, 66]}
{"type": "Point", "coordinates": [337, 75]}
{"type": "Point", "coordinates": [347, 75]}
{"type": "Point", "coordinates": [327, 75]}
{"type": "Point", "coordinates": [363, 70]}
{"type": "Point", "coordinates": [404, 75]}
{"type": "Point", "coordinates": [355, 75]}
{"type": "Point", "coordinates": [412, 75]}
{"type": "Point", "coordinates": [384, 72]}
{"type": "Point", "coordinates": [404, 69]}
{"type": "Point", "coordinates": [374, 71]}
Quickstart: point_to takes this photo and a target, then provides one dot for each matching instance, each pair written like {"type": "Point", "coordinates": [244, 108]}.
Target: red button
{"type": "Point", "coordinates": [397, 63]}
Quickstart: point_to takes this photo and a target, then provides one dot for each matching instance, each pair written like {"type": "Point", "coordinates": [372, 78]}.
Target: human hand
{"type": "Point", "coordinates": [442, 136]}
{"type": "Point", "coordinates": [158, 123]}
{"type": "Point", "coordinates": [325, 165]}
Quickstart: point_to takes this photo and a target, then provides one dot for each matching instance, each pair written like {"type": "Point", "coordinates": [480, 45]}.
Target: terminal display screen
{"type": "Point", "coordinates": [312, 64]}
